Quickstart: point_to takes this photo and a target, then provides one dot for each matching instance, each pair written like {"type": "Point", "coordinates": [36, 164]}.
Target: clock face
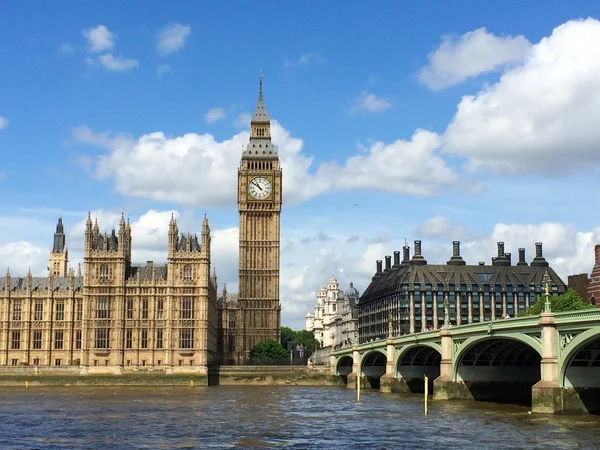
{"type": "Point", "coordinates": [259, 188]}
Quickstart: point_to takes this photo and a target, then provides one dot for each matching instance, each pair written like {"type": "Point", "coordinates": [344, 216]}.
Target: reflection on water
{"type": "Point", "coordinates": [271, 417]}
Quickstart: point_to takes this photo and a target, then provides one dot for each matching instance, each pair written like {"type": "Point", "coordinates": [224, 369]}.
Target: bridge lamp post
{"type": "Point", "coordinates": [545, 280]}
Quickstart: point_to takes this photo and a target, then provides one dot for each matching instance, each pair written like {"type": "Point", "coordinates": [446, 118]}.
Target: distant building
{"type": "Point", "coordinates": [334, 321]}
{"type": "Point", "coordinates": [588, 288]}
{"type": "Point", "coordinates": [579, 283]}
{"type": "Point", "coordinates": [410, 295]}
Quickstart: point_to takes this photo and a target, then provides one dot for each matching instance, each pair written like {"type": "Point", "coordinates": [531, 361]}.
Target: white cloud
{"type": "Point", "coordinates": [476, 52]}
{"type": "Point", "coordinates": [162, 69]}
{"type": "Point", "coordinates": [19, 257]}
{"type": "Point", "coordinates": [172, 38]}
{"type": "Point", "coordinates": [540, 117]}
{"type": "Point", "coordinates": [440, 226]}
{"type": "Point", "coordinates": [370, 103]}
{"type": "Point", "coordinates": [117, 64]}
{"type": "Point", "coordinates": [305, 59]}
{"type": "Point", "coordinates": [99, 38]}
{"type": "Point", "coordinates": [214, 114]}
{"type": "Point", "coordinates": [3, 123]}
{"type": "Point", "coordinates": [169, 169]}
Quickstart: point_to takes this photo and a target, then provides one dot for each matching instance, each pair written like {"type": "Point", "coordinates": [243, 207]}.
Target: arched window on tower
{"type": "Point", "coordinates": [187, 273]}
{"type": "Point", "coordinates": [593, 301]}
{"type": "Point", "coordinates": [104, 273]}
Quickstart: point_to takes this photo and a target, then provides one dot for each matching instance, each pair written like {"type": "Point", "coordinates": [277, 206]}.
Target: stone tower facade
{"type": "Point", "coordinates": [259, 205]}
{"type": "Point", "coordinates": [59, 256]}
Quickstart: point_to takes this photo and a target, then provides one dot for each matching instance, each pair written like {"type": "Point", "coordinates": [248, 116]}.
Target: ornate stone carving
{"type": "Point", "coordinates": [566, 338]}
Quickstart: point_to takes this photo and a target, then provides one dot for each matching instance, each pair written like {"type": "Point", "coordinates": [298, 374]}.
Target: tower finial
{"type": "Point", "coordinates": [260, 80]}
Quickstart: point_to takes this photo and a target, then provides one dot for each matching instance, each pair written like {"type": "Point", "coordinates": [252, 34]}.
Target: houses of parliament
{"type": "Point", "coordinates": [117, 316]}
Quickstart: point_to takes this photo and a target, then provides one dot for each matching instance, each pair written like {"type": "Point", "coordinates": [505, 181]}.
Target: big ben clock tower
{"type": "Point", "coordinates": [259, 205]}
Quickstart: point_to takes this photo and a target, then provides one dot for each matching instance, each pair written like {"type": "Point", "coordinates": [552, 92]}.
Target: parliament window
{"type": "Point", "coordinates": [102, 337]}
{"type": "Point", "coordinates": [144, 343]}
{"type": "Point", "coordinates": [104, 274]}
{"type": "Point", "coordinates": [79, 310]}
{"type": "Point", "coordinates": [37, 340]}
{"type": "Point", "coordinates": [186, 308]}
{"type": "Point", "coordinates": [38, 310]}
{"type": "Point", "coordinates": [57, 362]}
{"type": "Point", "coordinates": [60, 310]}
{"type": "Point", "coordinates": [102, 309]}
{"type": "Point", "coordinates": [159, 309]}
{"type": "Point", "coordinates": [78, 340]}
{"type": "Point", "coordinates": [186, 338]}
{"type": "Point", "coordinates": [129, 308]}
{"type": "Point", "coordinates": [187, 273]}
{"type": "Point", "coordinates": [16, 310]}
{"type": "Point", "coordinates": [159, 338]}
{"type": "Point", "coordinates": [15, 342]}
{"type": "Point", "coordinates": [58, 340]}
{"type": "Point", "coordinates": [145, 308]}
{"type": "Point", "coordinates": [129, 338]}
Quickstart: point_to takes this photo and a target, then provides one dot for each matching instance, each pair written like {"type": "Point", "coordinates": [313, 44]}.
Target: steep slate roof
{"type": "Point", "coordinates": [145, 272]}
{"type": "Point", "coordinates": [41, 283]}
{"type": "Point", "coordinates": [407, 275]}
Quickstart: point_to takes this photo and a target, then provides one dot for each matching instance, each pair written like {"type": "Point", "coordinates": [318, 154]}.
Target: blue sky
{"type": "Point", "coordinates": [426, 120]}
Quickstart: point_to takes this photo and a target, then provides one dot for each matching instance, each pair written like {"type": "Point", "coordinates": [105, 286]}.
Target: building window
{"type": "Point", "coordinates": [16, 310]}
{"type": "Point", "coordinates": [15, 342]}
{"type": "Point", "coordinates": [144, 343]}
{"type": "Point", "coordinates": [145, 308]}
{"type": "Point", "coordinates": [186, 338]}
{"type": "Point", "coordinates": [79, 310]}
{"type": "Point", "coordinates": [187, 273]}
{"type": "Point", "coordinates": [129, 308]}
{"type": "Point", "coordinates": [159, 309]}
{"type": "Point", "coordinates": [159, 338]}
{"type": "Point", "coordinates": [57, 362]}
{"type": "Point", "coordinates": [78, 340]}
{"type": "Point", "coordinates": [36, 361]}
{"type": "Point", "coordinates": [60, 310]}
{"type": "Point", "coordinates": [158, 363]}
{"type": "Point", "coordinates": [14, 362]}
{"type": "Point", "coordinates": [104, 273]}
{"type": "Point", "coordinates": [58, 340]}
{"type": "Point", "coordinates": [186, 310]}
{"type": "Point", "coordinates": [143, 363]}
{"type": "Point", "coordinates": [102, 337]}
{"type": "Point", "coordinates": [129, 338]}
{"type": "Point", "coordinates": [37, 340]}
{"type": "Point", "coordinates": [102, 310]}
{"type": "Point", "coordinates": [38, 310]}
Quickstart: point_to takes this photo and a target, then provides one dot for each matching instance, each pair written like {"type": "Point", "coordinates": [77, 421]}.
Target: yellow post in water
{"type": "Point", "coordinates": [191, 383]}
{"type": "Point", "coordinates": [358, 389]}
{"type": "Point", "coordinates": [27, 385]}
{"type": "Point", "coordinates": [426, 393]}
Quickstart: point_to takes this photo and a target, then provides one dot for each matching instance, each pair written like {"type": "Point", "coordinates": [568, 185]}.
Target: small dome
{"type": "Point", "coordinates": [352, 292]}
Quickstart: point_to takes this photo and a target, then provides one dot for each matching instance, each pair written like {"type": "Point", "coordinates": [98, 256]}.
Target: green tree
{"type": "Point", "coordinates": [307, 339]}
{"type": "Point", "coordinates": [268, 352]}
{"type": "Point", "coordinates": [287, 334]}
{"type": "Point", "coordinates": [569, 301]}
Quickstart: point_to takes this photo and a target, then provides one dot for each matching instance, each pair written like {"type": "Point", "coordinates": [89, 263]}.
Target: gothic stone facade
{"type": "Point", "coordinates": [116, 316]}
{"type": "Point", "coordinates": [411, 295]}
{"type": "Point", "coordinates": [335, 321]}
{"type": "Point", "coordinates": [255, 315]}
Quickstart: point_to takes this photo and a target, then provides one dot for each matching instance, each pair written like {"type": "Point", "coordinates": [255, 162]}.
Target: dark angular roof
{"type": "Point", "coordinates": [41, 283]}
{"type": "Point", "coordinates": [398, 278]}
{"type": "Point", "coordinates": [145, 271]}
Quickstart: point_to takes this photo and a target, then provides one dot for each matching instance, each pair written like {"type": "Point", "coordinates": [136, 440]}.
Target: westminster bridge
{"type": "Point", "coordinates": [550, 361]}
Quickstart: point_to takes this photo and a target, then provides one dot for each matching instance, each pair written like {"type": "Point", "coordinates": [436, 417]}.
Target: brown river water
{"type": "Point", "coordinates": [292, 417]}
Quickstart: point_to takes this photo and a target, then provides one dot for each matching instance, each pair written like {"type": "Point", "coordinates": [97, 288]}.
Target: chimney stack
{"type": "Point", "coordinates": [417, 257]}
{"type": "Point", "coordinates": [406, 254]}
{"type": "Point", "coordinates": [522, 261]}
{"type": "Point", "coordinates": [482, 263]}
{"type": "Point", "coordinates": [388, 262]}
{"type": "Point", "coordinates": [500, 249]}
{"type": "Point", "coordinates": [378, 266]}
{"type": "Point", "coordinates": [396, 258]}
{"type": "Point", "coordinates": [539, 260]}
{"type": "Point", "coordinates": [508, 258]}
{"type": "Point", "coordinates": [501, 259]}
{"type": "Point", "coordinates": [456, 259]}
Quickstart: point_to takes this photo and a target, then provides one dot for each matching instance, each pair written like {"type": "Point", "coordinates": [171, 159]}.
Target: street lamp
{"type": "Point", "coordinates": [545, 280]}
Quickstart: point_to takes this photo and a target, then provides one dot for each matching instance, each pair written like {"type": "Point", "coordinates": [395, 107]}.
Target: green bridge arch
{"type": "Point", "coordinates": [406, 348]}
{"type": "Point", "coordinates": [578, 342]}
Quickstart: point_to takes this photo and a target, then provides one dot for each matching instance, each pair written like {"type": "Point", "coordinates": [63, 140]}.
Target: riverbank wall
{"type": "Point", "coordinates": [218, 376]}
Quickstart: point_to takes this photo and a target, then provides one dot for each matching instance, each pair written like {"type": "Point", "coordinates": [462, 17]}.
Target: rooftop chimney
{"type": "Point", "coordinates": [456, 259]}
{"type": "Point", "coordinates": [378, 266]}
{"type": "Point", "coordinates": [501, 259]}
{"type": "Point", "coordinates": [406, 254]}
{"type": "Point", "coordinates": [396, 258]}
{"type": "Point", "coordinates": [482, 263]}
{"type": "Point", "coordinates": [539, 260]}
{"type": "Point", "coordinates": [508, 258]}
{"type": "Point", "coordinates": [388, 262]}
{"type": "Point", "coordinates": [521, 257]}
{"type": "Point", "coordinates": [417, 257]}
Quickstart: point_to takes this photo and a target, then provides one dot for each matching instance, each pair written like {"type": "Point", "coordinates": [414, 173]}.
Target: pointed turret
{"type": "Point", "coordinates": [260, 145]}
{"type": "Point", "coordinates": [59, 238]}
{"type": "Point", "coordinates": [122, 224]}
{"type": "Point", "coordinates": [260, 112]}
{"type": "Point", "coordinates": [28, 279]}
{"type": "Point", "coordinates": [79, 269]}
{"type": "Point", "coordinates": [88, 222]}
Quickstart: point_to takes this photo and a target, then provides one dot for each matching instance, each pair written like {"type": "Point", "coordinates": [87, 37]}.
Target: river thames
{"type": "Point", "coordinates": [272, 417]}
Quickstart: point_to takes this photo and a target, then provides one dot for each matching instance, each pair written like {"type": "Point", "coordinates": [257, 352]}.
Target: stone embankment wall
{"type": "Point", "coordinates": [223, 376]}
